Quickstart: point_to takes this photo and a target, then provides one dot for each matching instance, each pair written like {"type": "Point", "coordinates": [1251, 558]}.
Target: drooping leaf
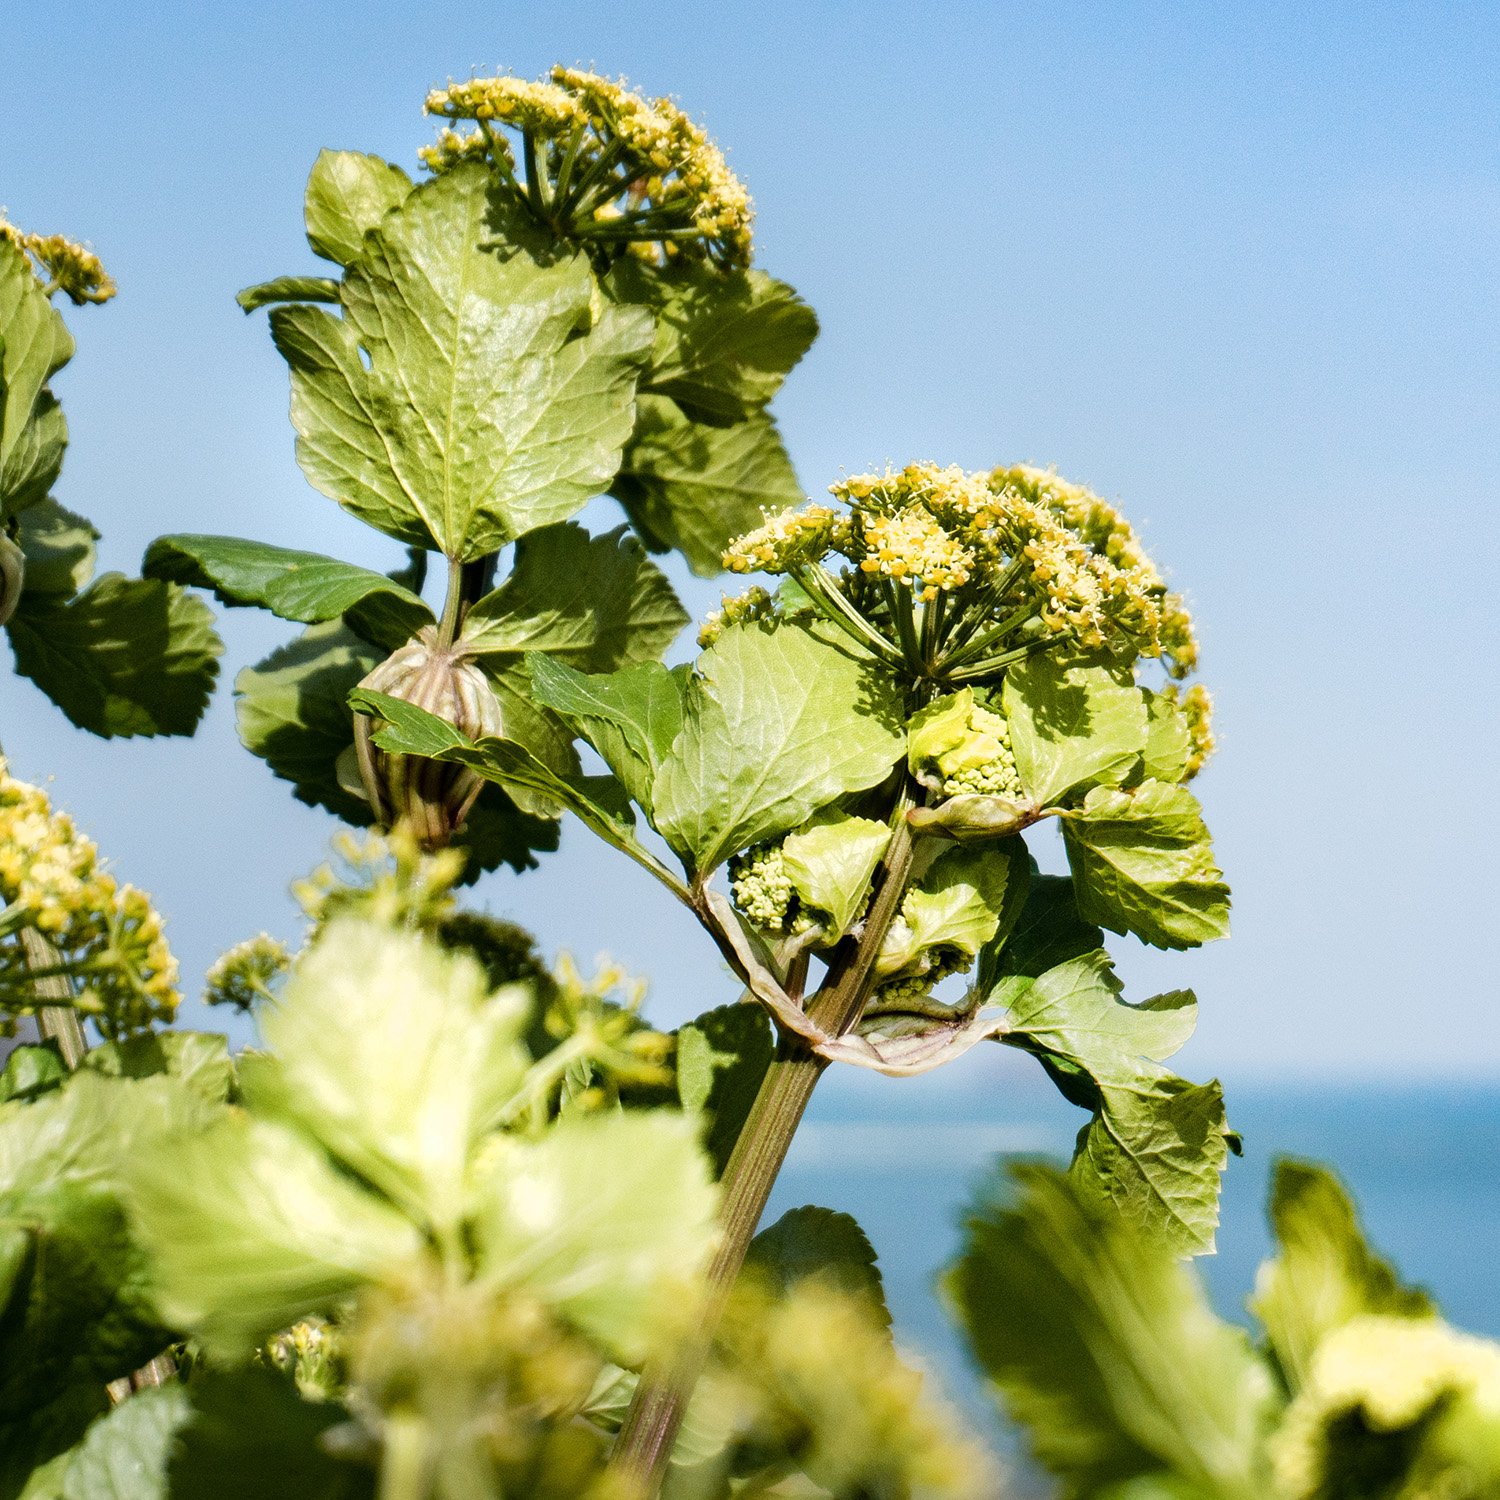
{"type": "Point", "coordinates": [251, 1228]}
{"type": "Point", "coordinates": [607, 1218]}
{"type": "Point", "coordinates": [293, 712]}
{"type": "Point", "coordinates": [128, 656]}
{"type": "Point", "coordinates": [348, 194]}
{"type": "Point", "coordinates": [34, 345]}
{"type": "Point", "coordinates": [831, 861]}
{"type": "Point", "coordinates": [694, 487]}
{"type": "Point", "coordinates": [394, 1056]}
{"type": "Point", "coordinates": [301, 586]}
{"type": "Point", "coordinates": [778, 722]}
{"type": "Point", "coordinates": [287, 289]}
{"type": "Point", "coordinates": [1142, 863]}
{"type": "Point", "coordinates": [1324, 1273]}
{"type": "Point", "coordinates": [124, 1456]}
{"type": "Point", "coordinates": [484, 411]}
{"type": "Point", "coordinates": [59, 550]}
{"type": "Point", "coordinates": [1073, 725]}
{"type": "Point", "coordinates": [819, 1242]}
{"type": "Point", "coordinates": [722, 1056]}
{"type": "Point", "coordinates": [1106, 1349]}
{"type": "Point", "coordinates": [631, 716]}
{"type": "Point", "coordinates": [597, 603]}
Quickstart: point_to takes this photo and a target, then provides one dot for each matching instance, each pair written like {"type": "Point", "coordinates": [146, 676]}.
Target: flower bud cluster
{"type": "Point", "coordinates": [762, 889]}
{"type": "Point", "coordinates": [957, 745]}
{"type": "Point", "coordinates": [754, 604]}
{"type": "Point", "coordinates": [108, 937]}
{"type": "Point", "coordinates": [69, 267]}
{"type": "Point", "coordinates": [1197, 709]}
{"type": "Point", "coordinates": [245, 973]}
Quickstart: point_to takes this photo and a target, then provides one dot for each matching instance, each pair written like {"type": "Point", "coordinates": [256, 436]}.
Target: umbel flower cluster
{"type": "Point", "coordinates": [600, 163]}
{"type": "Point", "coordinates": [104, 938]}
{"type": "Point", "coordinates": [955, 575]}
{"type": "Point", "coordinates": [63, 265]}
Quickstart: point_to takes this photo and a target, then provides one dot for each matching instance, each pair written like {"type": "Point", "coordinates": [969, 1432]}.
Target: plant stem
{"type": "Point", "coordinates": [643, 1448]}
{"type": "Point", "coordinates": [56, 1020]}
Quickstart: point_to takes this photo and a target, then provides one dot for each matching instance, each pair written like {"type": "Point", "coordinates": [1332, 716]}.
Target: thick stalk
{"type": "Point", "coordinates": [56, 1019]}
{"type": "Point", "coordinates": [644, 1446]}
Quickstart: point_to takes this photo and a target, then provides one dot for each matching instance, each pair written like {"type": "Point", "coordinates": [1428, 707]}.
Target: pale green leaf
{"type": "Point", "coordinates": [1073, 725]}
{"type": "Point", "coordinates": [251, 1228]}
{"type": "Point", "coordinates": [778, 722]}
{"type": "Point", "coordinates": [485, 410]}
{"type": "Point", "coordinates": [287, 289]}
{"type": "Point", "coordinates": [1142, 863]}
{"type": "Point", "coordinates": [1106, 1350]}
{"type": "Point", "coordinates": [831, 861]}
{"type": "Point", "coordinates": [30, 1071]}
{"type": "Point", "coordinates": [302, 586]}
{"type": "Point", "coordinates": [694, 487]}
{"type": "Point", "coordinates": [34, 345]}
{"type": "Point", "coordinates": [392, 1053]}
{"type": "Point", "coordinates": [722, 1056]}
{"type": "Point", "coordinates": [59, 550]}
{"type": "Point", "coordinates": [35, 459]}
{"type": "Point", "coordinates": [1324, 1273]}
{"type": "Point", "coordinates": [199, 1060]}
{"type": "Point", "coordinates": [609, 1219]}
{"type": "Point", "coordinates": [124, 1456]}
{"type": "Point", "coordinates": [128, 656]}
{"type": "Point", "coordinates": [1168, 743]}
{"type": "Point", "coordinates": [348, 194]}
{"type": "Point", "coordinates": [819, 1242]}
{"type": "Point", "coordinates": [957, 905]}
{"type": "Point", "coordinates": [594, 602]}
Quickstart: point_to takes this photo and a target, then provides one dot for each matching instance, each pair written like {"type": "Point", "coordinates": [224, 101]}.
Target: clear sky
{"type": "Point", "coordinates": [1236, 267]}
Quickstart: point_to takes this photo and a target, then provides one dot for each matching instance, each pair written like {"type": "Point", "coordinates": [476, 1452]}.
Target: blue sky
{"type": "Point", "coordinates": [1236, 267]}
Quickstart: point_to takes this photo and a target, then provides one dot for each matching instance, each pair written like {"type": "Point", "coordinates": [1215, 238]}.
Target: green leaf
{"type": "Point", "coordinates": [694, 487]}
{"type": "Point", "coordinates": [128, 656]}
{"type": "Point", "coordinates": [124, 1456]}
{"type": "Point", "coordinates": [31, 1071]}
{"type": "Point", "coordinates": [1105, 1349]}
{"type": "Point", "coordinates": [1168, 743]}
{"type": "Point", "coordinates": [594, 602]}
{"type": "Point", "coordinates": [301, 586]}
{"type": "Point", "coordinates": [249, 1436]}
{"type": "Point", "coordinates": [392, 1053]}
{"type": "Point", "coordinates": [958, 904]}
{"type": "Point", "coordinates": [724, 341]}
{"type": "Point", "coordinates": [287, 289]}
{"type": "Point", "coordinates": [348, 194]}
{"type": "Point", "coordinates": [250, 1228]}
{"type": "Point", "coordinates": [59, 549]}
{"type": "Point", "coordinates": [34, 345]}
{"type": "Point", "coordinates": [778, 722]}
{"type": "Point", "coordinates": [607, 1218]}
{"type": "Point", "coordinates": [1048, 931]}
{"type": "Point", "coordinates": [722, 1056]}
{"type": "Point", "coordinates": [1157, 1144]}
{"type": "Point", "coordinates": [36, 1449]}
{"type": "Point", "coordinates": [819, 1242]}
{"type": "Point", "coordinates": [199, 1060]}
{"type": "Point", "coordinates": [1325, 1274]}
{"type": "Point", "coordinates": [293, 712]}
{"type": "Point", "coordinates": [1142, 863]}
{"type": "Point", "coordinates": [631, 717]}
{"type": "Point", "coordinates": [1072, 725]}
{"type": "Point", "coordinates": [831, 861]}
{"type": "Point", "coordinates": [484, 412]}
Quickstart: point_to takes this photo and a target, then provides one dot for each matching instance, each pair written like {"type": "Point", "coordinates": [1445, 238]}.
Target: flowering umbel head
{"type": "Point", "coordinates": [951, 576]}
{"type": "Point", "coordinates": [600, 163]}
{"type": "Point", "coordinates": [62, 265]}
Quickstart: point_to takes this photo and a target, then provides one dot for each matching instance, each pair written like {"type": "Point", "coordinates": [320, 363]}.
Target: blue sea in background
{"type": "Point", "coordinates": [1422, 1161]}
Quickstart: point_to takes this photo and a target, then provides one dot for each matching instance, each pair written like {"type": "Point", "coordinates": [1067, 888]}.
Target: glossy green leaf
{"type": "Point", "coordinates": [124, 1456]}
{"type": "Point", "coordinates": [819, 1242]}
{"type": "Point", "coordinates": [34, 345]}
{"type": "Point", "coordinates": [251, 1228]}
{"type": "Point", "coordinates": [722, 1056]}
{"type": "Point", "coordinates": [287, 289]}
{"type": "Point", "coordinates": [35, 458]}
{"type": "Point", "coordinates": [778, 722]}
{"type": "Point", "coordinates": [693, 487]}
{"type": "Point", "coordinates": [392, 1053]}
{"type": "Point", "coordinates": [1106, 1349]}
{"type": "Point", "coordinates": [831, 861]}
{"type": "Point", "coordinates": [1324, 1272]}
{"type": "Point", "coordinates": [301, 586]}
{"type": "Point", "coordinates": [59, 550]}
{"type": "Point", "coordinates": [348, 194]}
{"type": "Point", "coordinates": [1073, 725]}
{"type": "Point", "coordinates": [128, 656]}
{"type": "Point", "coordinates": [607, 1218]}
{"type": "Point", "coordinates": [1142, 863]}
{"type": "Point", "coordinates": [594, 602]}
{"type": "Point", "coordinates": [484, 411]}
{"type": "Point", "coordinates": [631, 717]}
